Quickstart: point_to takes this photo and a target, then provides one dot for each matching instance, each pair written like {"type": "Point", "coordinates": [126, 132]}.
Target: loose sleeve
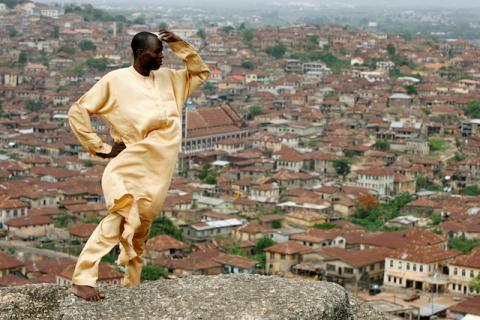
{"type": "Point", "coordinates": [193, 75]}
{"type": "Point", "coordinates": [94, 101]}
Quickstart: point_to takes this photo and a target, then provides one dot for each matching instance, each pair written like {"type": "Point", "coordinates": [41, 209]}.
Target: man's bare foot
{"type": "Point", "coordinates": [87, 292]}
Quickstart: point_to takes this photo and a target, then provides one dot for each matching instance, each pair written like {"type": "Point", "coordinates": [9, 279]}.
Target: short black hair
{"type": "Point", "coordinates": [140, 41]}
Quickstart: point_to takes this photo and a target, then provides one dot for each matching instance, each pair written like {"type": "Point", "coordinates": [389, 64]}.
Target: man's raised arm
{"type": "Point", "coordinates": [196, 71]}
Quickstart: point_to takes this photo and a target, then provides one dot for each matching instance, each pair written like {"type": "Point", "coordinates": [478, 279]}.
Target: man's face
{"type": "Point", "coordinates": [151, 58]}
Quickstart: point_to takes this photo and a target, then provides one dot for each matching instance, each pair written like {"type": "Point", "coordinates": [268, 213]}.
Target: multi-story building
{"type": "Point", "coordinates": [379, 179]}
{"type": "Point", "coordinates": [462, 271]}
{"type": "Point", "coordinates": [422, 268]}
{"type": "Point", "coordinates": [203, 127]}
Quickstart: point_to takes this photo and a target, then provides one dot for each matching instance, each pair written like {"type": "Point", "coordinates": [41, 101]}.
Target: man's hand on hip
{"type": "Point", "coordinates": [116, 149]}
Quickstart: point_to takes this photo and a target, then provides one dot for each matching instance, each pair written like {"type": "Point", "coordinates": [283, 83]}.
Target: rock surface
{"type": "Point", "coordinates": [239, 297]}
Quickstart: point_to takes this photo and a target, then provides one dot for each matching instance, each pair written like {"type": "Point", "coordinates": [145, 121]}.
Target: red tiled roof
{"type": "Point", "coordinates": [36, 220]}
{"type": "Point", "coordinates": [9, 262]}
{"type": "Point", "coordinates": [255, 228]}
{"type": "Point", "coordinates": [471, 260]}
{"type": "Point", "coordinates": [305, 215]}
{"type": "Point", "coordinates": [11, 280]}
{"type": "Point", "coordinates": [165, 242]}
{"type": "Point", "coordinates": [83, 230]}
{"type": "Point", "coordinates": [234, 260]}
{"type": "Point", "coordinates": [469, 306]}
{"type": "Point", "coordinates": [424, 254]}
{"type": "Point", "coordinates": [357, 258]}
{"type": "Point", "coordinates": [289, 247]}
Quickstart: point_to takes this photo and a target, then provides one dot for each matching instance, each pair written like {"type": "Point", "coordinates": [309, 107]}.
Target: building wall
{"type": "Point", "coordinates": [460, 278]}
{"type": "Point", "coordinates": [34, 231]}
{"type": "Point", "coordinates": [382, 184]}
{"type": "Point", "coordinates": [276, 262]}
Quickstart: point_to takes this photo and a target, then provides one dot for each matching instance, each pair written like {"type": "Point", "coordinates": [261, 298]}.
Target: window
{"type": "Point", "coordinates": [348, 270]}
{"type": "Point", "coordinates": [272, 255]}
{"type": "Point", "coordinates": [472, 274]}
{"type": "Point", "coordinates": [282, 256]}
{"type": "Point", "coordinates": [414, 267]}
{"type": "Point", "coordinates": [391, 263]}
{"type": "Point", "coordinates": [408, 266]}
{"type": "Point", "coordinates": [400, 265]}
{"type": "Point", "coordinates": [421, 268]}
{"type": "Point", "coordinates": [331, 267]}
{"type": "Point", "coordinates": [463, 272]}
{"type": "Point", "coordinates": [455, 271]}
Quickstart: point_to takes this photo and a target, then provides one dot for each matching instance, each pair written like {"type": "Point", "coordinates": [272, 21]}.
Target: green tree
{"type": "Point", "coordinates": [342, 167]}
{"type": "Point", "coordinates": [56, 32]}
{"type": "Point", "coordinates": [34, 106]}
{"type": "Point", "coordinates": [325, 226]}
{"type": "Point", "coordinates": [395, 73]}
{"type": "Point", "coordinates": [209, 88]}
{"type": "Point", "coordinates": [67, 49]}
{"type": "Point", "coordinates": [311, 43]}
{"type": "Point", "coordinates": [277, 51]}
{"type": "Point", "coordinates": [254, 110]}
{"type": "Point", "coordinates": [262, 244]}
{"type": "Point", "coordinates": [211, 179]}
{"type": "Point", "coordinates": [85, 45]}
{"type": "Point", "coordinates": [372, 216]}
{"type": "Point", "coordinates": [139, 20]}
{"type": "Point", "coordinates": [99, 64]}
{"type": "Point", "coordinates": [201, 34]}
{"type": "Point", "coordinates": [163, 225]}
{"type": "Point", "coordinates": [247, 64]}
{"type": "Point", "coordinates": [91, 220]}
{"type": "Point", "coordinates": [151, 272]}
{"type": "Point", "coordinates": [227, 29]}
{"type": "Point", "coordinates": [276, 224]}
{"type": "Point", "coordinates": [437, 145]}
{"type": "Point", "coordinates": [472, 109]}
{"type": "Point", "coordinates": [471, 191]}
{"type": "Point", "coordinates": [247, 36]}
{"type": "Point", "coordinates": [204, 172]}
{"type": "Point", "coordinates": [411, 90]}
{"type": "Point", "coordinates": [475, 284]}
{"type": "Point", "coordinates": [22, 57]}
{"type": "Point", "coordinates": [163, 25]}
{"type": "Point", "coordinates": [392, 51]}
{"type": "Point", "coordinates": [88, 163]}
{"type": "Point", "coordinates": [12, 32]}
{"type": "Point", "coordinates": [463, 244]}
{"type": "Point", "coordinates": [382, 144]}
{"type": "Point", "coordinates": [78, 70]}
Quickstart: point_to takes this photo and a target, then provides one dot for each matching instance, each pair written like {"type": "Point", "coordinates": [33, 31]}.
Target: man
{"type": "Point", "coordinates": [142, 105]}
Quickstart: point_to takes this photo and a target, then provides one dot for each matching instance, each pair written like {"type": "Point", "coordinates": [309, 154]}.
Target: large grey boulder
{"type": "Point", "coordinates": [239, 297]}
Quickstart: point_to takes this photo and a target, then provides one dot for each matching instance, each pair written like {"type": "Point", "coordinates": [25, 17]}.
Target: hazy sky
{"type": "Point", "coordinates": [227, 3]}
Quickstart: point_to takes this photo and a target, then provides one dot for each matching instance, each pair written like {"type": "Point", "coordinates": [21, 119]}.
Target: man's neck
{"type": "Point", "coordinates": [140, 69]}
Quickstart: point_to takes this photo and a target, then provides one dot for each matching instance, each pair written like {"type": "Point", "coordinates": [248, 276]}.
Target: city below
{"type": "Point", "coordinates": [326, 152]}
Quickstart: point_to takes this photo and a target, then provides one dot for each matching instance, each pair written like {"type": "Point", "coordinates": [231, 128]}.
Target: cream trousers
{"type": "Point", "coordinates": [106, 236]}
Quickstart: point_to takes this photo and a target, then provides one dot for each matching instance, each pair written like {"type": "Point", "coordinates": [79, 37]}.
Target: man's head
{"type": "Point", "coordinates": [147, 50]}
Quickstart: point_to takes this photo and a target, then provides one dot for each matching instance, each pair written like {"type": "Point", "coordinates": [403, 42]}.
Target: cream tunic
{"type": "Point", "coordinates": [145, 113]}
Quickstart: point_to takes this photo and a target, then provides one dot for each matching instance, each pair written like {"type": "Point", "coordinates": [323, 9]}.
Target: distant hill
{"type": "Point", "coordinates": [12, 3]}
{"type": "Point", "coordinates": [248, 3]}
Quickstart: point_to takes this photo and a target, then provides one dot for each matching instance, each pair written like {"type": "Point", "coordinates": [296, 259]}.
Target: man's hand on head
{"type": "Point", "coordinates": [167, 36]}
